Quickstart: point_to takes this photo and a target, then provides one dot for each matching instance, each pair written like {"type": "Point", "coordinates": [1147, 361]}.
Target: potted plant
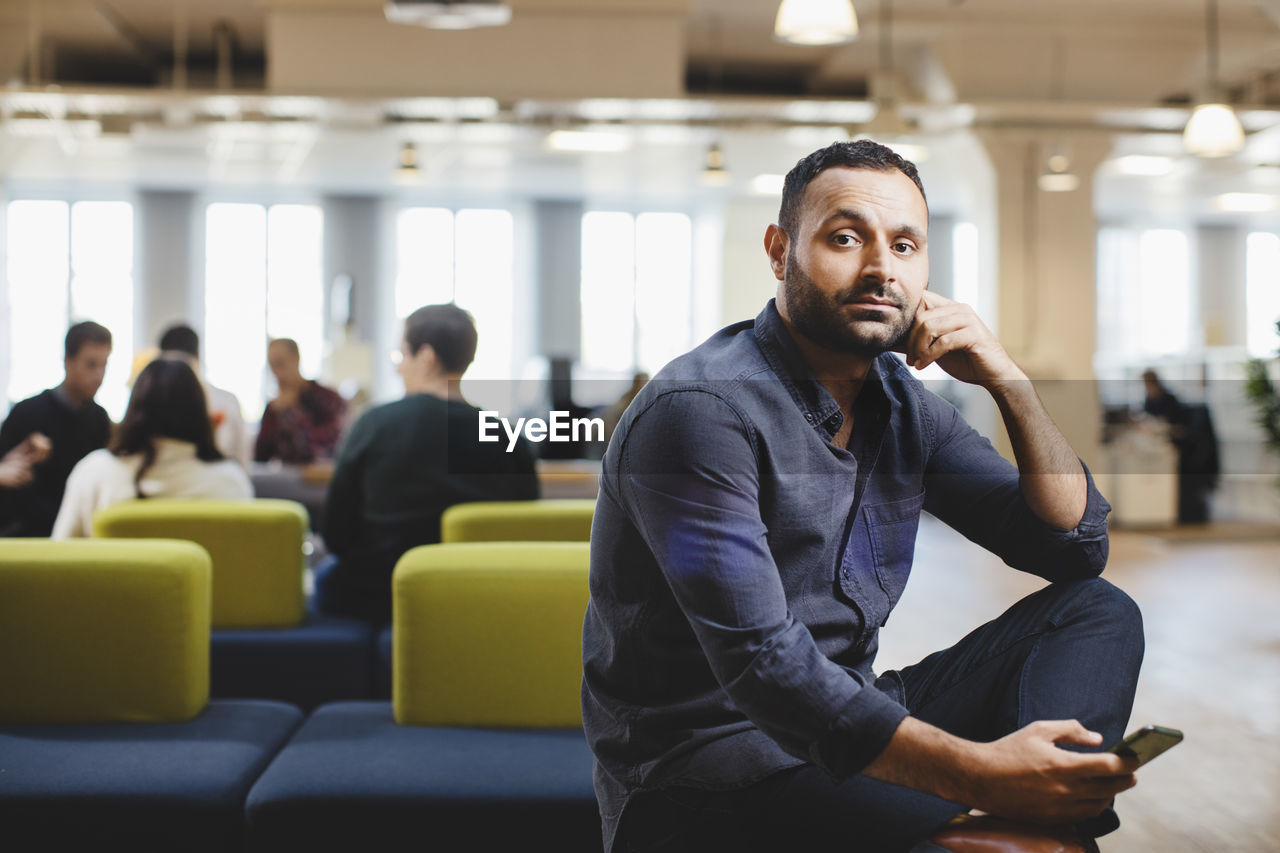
{"type": "Point", "coordinates": [1265, 397]}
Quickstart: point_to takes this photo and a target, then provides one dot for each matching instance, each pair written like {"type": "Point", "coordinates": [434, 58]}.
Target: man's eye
{"type": "Point", "coordinates": [844, 239]}
{"type": "Point", "coordinates": [903, 248]}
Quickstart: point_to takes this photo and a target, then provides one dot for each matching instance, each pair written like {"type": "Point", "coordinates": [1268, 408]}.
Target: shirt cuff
{"type": "Point", "coordinates": [861, 732]}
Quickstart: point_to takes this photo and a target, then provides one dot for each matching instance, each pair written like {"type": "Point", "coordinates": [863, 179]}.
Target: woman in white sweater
{"type": "Point", "coordinates": [164, 448]}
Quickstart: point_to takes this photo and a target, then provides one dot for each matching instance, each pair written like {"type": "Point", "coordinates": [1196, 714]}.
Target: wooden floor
{"type": "Point", "coordinates": [1211, 607]}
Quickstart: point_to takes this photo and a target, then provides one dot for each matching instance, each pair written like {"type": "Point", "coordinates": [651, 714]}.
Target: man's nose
{"type": "Point", "coordinates": [878, 263]}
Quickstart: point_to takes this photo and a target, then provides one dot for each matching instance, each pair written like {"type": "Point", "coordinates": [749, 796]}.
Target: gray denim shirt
{"type": "Point", "coordinates": [742, 564]}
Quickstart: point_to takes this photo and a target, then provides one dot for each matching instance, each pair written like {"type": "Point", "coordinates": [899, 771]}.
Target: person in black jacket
{"type": "Point", "coordinates": [402, 464]}
{"type": "Point", "coordinates": [1192, 433]}
{"type": "Point", "coordinates": [59, 427]}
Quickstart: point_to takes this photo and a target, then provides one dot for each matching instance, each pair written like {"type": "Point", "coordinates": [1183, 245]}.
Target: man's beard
{"type": "Point", "coordinates": [817, 316]}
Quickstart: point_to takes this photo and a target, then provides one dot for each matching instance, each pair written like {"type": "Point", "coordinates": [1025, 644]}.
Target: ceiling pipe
{"type": "Point", "coordinates": [181, 40]}
{"type": "Point", "coordinates": [223, 44]}
{"type": "Point", "coordinates": [33, 43]}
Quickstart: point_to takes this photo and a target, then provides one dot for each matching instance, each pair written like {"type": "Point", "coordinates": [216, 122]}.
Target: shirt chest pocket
{"type": "Point", "coordinates": [891, 531]}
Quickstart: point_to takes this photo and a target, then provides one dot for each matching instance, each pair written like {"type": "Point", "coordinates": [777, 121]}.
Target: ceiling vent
{"type": "Point", "coordinates": [448, 14]}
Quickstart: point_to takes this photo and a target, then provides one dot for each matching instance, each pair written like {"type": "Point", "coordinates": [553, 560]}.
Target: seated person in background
{"type": "Point", "coordinates": [402, 464]}
{"type": "Point", "coordinates": [164, 448]}
{"type": "Point", "coordinates": [181, 341]}
{"type": "Point", "coordinates": [69, 425]}
{"type": "Point", "coordinates": [304, 421]}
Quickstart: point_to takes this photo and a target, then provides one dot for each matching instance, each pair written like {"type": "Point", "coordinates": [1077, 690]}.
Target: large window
{"type": "Point", "coordinates": [1262, 294]}
{"type": "Point", "coordinates": [263, 280]}
{"type": "Point", "coordinates": [465, 257]}
{"type": "Point", "coordinates": [637, 290]}
{"type": "Point", "coordinates": [67, 263]}
{"type": "Point", "coordinates": [1145, 302]}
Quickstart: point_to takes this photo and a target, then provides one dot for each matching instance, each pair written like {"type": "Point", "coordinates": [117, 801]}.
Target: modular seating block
{"type": "Point", "coordinates": [106, 741]}
{"type": "Point", "coordinates": [352, 779]}
{"type": "Point", "coordinates": [482, 747]}
{"type": "Point", "coordinates": [554, 520]}
{"type": "Point", "coordinates": [264, 644]}
{"type": "Point", "coordinates": [256, 546]}
{"type": "Point", "coordinates": [489, 634]}
{"type": "Point", "coordinates": [102, 632]}
{"type": "Point", "coordinates": [150, 787]}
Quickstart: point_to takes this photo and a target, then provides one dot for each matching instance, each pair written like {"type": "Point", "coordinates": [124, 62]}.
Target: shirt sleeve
{"type": "Point", "coordinates": [975, 490]}
{"type": "Point", "coordinates": [689, 479]}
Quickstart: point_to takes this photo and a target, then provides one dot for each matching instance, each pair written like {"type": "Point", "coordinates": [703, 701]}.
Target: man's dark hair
{"type": "Point", "coordinates": [181, 338]}
{"type": "Point", "coordinates": [288, 343]}
{"type": "Point", "coordinates": [449, 331]}
{"type": "Point", "coordinates": [167, 402]}
{"type": "Point", "coordinates": [859, 154]}
{"type": "Point", "coordinates": [87, 332]}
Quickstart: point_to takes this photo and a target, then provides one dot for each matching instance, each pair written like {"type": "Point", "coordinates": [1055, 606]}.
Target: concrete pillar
{"type": "Point", "coordinates": [558, 251]}
{"type": "Point", "coordinates": [1046, 275]}
{"type": "Point", "coordinates": [1222, 286]}
{"type": "Point", "coordinates": [357, 299]}
{"type": "Point", "coordinates": [167, 269]}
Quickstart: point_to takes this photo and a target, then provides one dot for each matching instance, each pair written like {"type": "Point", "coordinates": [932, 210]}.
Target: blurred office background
{"type": "Point", "coordinates": [592, 179]}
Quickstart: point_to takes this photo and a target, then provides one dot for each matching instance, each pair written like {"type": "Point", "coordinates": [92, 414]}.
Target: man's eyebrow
{"type": "Point", "coordinates": [858, 216]}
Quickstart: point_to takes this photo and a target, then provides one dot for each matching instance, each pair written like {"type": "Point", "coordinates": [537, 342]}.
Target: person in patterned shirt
{"type": "Point", "coordinates": [305, 420]}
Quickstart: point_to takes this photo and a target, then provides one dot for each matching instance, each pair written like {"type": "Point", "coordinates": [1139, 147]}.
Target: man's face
{"type": "Point", "coordinates": [283, 363]}
{"type": "Point", "coordinates": [854, 272]}
{"type": "Point", "coordinates": [86, 368]}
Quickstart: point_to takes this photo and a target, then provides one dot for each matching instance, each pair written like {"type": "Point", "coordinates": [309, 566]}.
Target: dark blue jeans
{"type": "Point", "coordinates": [1069, 651]}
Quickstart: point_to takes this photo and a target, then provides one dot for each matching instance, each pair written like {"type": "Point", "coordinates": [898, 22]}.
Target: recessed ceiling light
{"type": "Point", "coordinates": [1058, 182]}
{"type": "Point", "coordinates": [1143, 165]}
{"type": "Point", "coordinates": [1244, 203]}
{"type": "Point", "coordinates": [588, 140]}
{"type": "Point", "coordinates": [816, 22]}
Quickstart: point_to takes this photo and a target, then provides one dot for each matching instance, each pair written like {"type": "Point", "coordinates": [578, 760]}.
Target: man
{"type": "Point", "coordinates": [403, 464]}
{"type": "Point", "coordinates": [303, 423]}
{"type": "Point", "coordinates": [181, 341]}
{"type": "Point", "coordinates": [49, 433]}
{"type": "Point", "coordinates": [756, 525]}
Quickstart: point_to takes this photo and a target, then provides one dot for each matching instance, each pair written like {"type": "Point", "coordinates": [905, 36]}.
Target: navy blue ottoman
{"type": "Point", "coordinates": [352, 779]}
{"type": "Point", "coordinates": [138, 786]}
{"type": "Point", "coordinates": [326, 659]}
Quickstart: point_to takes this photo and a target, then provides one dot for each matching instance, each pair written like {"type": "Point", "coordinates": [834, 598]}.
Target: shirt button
{"type": "Point", "coordinates": [808, 416]}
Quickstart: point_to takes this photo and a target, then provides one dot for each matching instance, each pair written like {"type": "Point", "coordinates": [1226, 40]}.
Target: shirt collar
{"type": "Point", "coordinates": [814, 401]}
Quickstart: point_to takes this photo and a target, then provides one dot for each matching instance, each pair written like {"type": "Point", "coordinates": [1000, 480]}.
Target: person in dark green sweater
{"type": "Point", "coordinates": [53, 431]}
{"type": "Point", "coordinates": [402, 464]}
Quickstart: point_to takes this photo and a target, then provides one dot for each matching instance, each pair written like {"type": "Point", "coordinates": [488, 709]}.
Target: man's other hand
{"type": "Point", "coordinates": [951, 334]}
{"type": "Point", "coordinates": [1027, 776]}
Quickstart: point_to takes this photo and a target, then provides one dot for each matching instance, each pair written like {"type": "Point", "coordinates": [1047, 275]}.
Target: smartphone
{"type": "Point", "coordinates": [1148, 742]}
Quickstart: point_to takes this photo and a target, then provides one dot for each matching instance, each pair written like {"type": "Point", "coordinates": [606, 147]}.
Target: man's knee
{"type": "Point", "coordinates": [1101, 602]}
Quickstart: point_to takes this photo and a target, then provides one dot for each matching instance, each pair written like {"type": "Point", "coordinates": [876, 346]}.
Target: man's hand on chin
{"type": "Point", "coordinates": [951, 334]}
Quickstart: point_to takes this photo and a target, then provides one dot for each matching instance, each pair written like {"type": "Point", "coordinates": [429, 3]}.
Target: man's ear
{"type": "Point", "coordinates": [775, 245]}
